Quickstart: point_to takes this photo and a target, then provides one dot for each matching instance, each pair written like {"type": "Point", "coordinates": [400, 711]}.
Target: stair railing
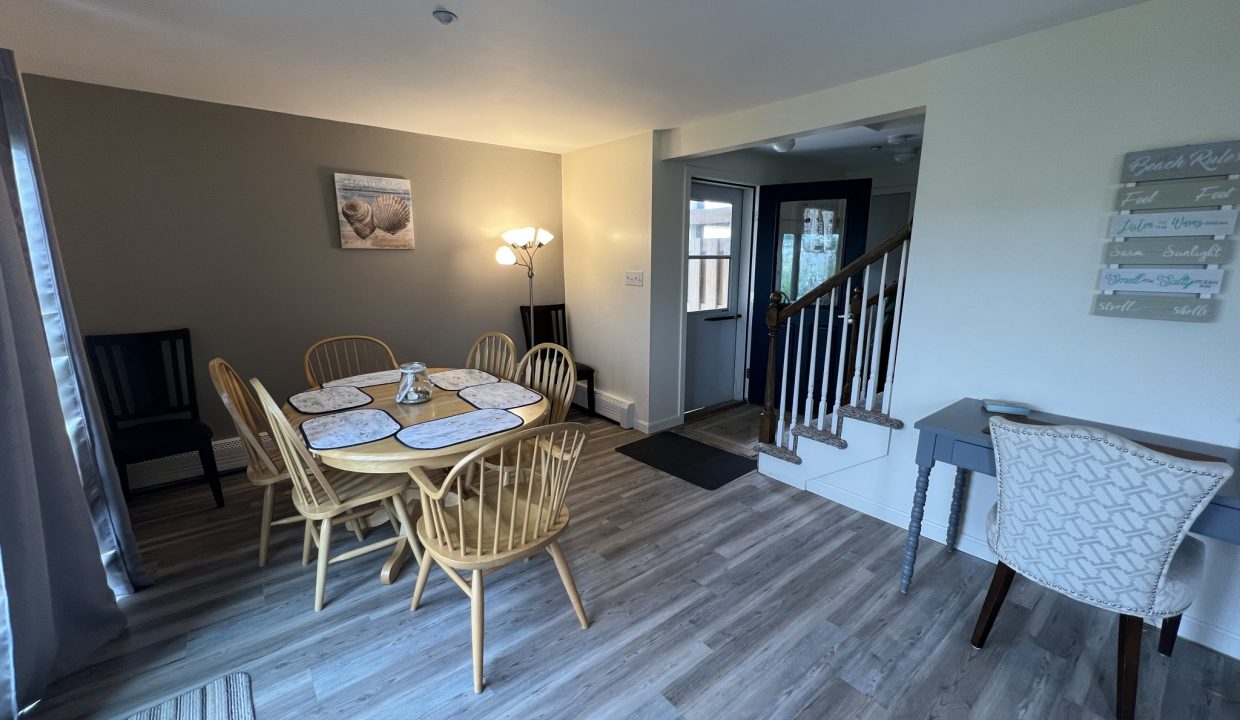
{"type": "Point", "coordinates": [867, 350]}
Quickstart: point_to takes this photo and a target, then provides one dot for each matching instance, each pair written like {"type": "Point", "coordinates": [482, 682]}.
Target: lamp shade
{"type": "Point", "coordinates": [527, 236]}
{"type": "Point", "coordinates": [505, 256]}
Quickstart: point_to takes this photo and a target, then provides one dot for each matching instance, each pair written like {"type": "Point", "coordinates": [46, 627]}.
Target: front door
{"type": "Point", "coordinates": [807, 232]}
{"type": "Point", "coordinates": [712, 314]}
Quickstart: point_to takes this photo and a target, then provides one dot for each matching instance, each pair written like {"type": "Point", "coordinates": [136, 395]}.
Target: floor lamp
{"type": "Point", "coordinates": [521, 244]}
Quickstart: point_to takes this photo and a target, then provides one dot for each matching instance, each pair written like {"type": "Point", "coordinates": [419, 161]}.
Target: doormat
{"type": "Point", "coordinates": [704, 465]}
{"type": "Point", "coordinates": [227, 698]}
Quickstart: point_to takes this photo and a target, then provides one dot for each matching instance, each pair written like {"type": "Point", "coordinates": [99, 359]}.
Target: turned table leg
{"type": "Point", "coordinates": [953, 517]}
{"type": "Point", "coordinates": [914, 525]}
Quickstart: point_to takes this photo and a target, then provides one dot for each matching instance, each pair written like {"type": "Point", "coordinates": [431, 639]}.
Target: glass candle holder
{"type": "Point", "coordinates": [415, 384]}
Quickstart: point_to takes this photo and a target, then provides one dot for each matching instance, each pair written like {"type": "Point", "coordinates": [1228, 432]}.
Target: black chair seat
{"type": "Point", "coordinates": [161, 436]}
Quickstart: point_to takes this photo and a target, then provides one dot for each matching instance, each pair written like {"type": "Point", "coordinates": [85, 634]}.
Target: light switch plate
{"type": "Point", "coordinates": [636, 278]}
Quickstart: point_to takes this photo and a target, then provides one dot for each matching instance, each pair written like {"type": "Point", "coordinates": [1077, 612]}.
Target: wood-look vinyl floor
{"type": "Point", "coordinates": [753, 601]}
{"type": "Point", "coordinates": [733, 428]}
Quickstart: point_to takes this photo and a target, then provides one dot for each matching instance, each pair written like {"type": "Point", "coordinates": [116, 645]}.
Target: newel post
{"type": "Point", "coordinates": [766, 426]}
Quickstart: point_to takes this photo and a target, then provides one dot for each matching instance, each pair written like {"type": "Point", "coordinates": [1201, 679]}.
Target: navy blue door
{"type": "Point", "coordinates": [806, 233]}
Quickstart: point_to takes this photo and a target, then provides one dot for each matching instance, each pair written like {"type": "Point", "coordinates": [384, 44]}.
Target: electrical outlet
{"type": "Point", "coordinates": [636, 278]}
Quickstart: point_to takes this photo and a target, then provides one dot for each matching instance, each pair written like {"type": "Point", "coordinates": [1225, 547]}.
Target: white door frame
{"type": "Point", "coordinates": [744, 296]}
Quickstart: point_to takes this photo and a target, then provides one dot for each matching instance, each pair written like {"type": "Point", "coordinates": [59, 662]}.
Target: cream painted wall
{"type": "Point", "coordinates": [607, 209]}
{"type": "Point", "coordinates": [1022, 151]}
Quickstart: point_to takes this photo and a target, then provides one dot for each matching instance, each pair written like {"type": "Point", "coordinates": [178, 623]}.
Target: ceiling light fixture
{"type": "Point", "coordinates": [900, 139]}
{"type": "Point", "coordinates": [445, 17]}
{"type": "Point", "coordinates": [906, 157]}
{"type": "Point", "coordinates": [784, 145]}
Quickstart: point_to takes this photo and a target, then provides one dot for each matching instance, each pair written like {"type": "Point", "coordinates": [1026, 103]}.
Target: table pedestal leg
{"type": "Point", "coordinates": [396, 561]}
{"type": "Point", "coordinates": [914, 525]}
{"type": "Point", "coordinates": [953, 517]}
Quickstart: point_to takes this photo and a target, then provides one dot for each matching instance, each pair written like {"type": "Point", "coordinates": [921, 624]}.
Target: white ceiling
{"type": "Point", "coordinates": [856, 147]}
{"type": "Point", "coordinates": [553, 75]}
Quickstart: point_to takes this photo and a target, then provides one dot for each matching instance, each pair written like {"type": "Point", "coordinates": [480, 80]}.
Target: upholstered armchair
{"type": "Point", "coordinates": [1101, 519]}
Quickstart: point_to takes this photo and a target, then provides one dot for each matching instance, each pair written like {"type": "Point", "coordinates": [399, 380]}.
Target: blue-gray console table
{"type": "Point", "coordinates": [959, 434]}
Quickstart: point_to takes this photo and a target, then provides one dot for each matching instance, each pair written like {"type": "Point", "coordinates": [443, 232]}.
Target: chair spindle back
{"type": "Point", "coordinates": [549, 369]}
{"type": "Point", "coordinates": [311, 490]}
{"type": "Point", "coordinates": [516, 485]}
{"type": "Point", "coordinates": [247, 417]}
{"type": "Point", "coordinates": [346, 355]}
{"type": "Point", "coordinates": [495, 353]}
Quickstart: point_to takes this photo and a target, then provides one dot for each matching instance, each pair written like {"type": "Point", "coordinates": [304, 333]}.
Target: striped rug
{"type": "Point", "coordinates": [227, 698]}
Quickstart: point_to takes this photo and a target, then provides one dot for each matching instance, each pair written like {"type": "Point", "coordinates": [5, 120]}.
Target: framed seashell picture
{"type": "Point", "coordinates": [375, 213]}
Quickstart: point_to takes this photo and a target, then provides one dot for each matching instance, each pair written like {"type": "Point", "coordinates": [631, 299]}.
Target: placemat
{"type": "Point", "coordinates": [503, 395]}
{"type": "Point", "coordinates": [382, 377]}
{"type": "Point", "coordinates": [460, 379]}
{"type": "Point", "coordinates": [331, 399]}
{"type": "Point", "coordinates": [461, 428]}
{"type": "Point", "coordinates": [349, 428]}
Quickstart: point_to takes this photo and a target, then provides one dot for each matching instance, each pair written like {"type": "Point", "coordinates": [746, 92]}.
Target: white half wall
{"type": "Point", "coordinates": [1020, 162]}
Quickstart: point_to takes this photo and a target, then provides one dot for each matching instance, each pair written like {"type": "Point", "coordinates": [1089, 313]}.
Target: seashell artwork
{"type": "Point", "coordinates": [360, 217]}
{"type": "Point", "coordinates": [374, 212]}
{"type": "Point", "coordinates": [391, 214]}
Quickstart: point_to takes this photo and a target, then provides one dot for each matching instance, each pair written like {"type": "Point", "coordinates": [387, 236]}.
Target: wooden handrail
{"type": "Point", "coordinates": [848, 271]}
{"type": "Point", "coordinates": [778, 314]}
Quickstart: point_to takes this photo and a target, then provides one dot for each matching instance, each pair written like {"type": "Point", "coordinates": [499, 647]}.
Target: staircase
{"type": "Point", "coordinates": [844, 421]}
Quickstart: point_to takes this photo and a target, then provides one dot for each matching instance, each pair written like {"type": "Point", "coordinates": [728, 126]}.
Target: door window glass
{"type": "Point", "coordinates": [810, 232]}
{"type": "Point", "coordinates": [710, 255]}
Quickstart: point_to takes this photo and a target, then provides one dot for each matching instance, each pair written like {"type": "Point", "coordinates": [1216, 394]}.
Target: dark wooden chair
{"type": "Point", "coordinates": [551, 326]}
{"type": "Point", "coordinates": [146, 384]}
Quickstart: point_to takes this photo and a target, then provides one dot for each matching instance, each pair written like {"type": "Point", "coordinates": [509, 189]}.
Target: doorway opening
{"type": "Point", "coordinates": [815, 207]}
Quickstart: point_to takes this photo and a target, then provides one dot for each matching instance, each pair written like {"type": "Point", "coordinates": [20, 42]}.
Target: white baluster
{"type": "Point", "coordinates": [896, 313]}
{"type": "Point", "coordinates": [876, 352]}
{"type": "Point", "coordinates": [826, 360]}
{"type": "Point", "coordinates": [839, 370]}
{"type": "Point", "coordinates": [813, 359]}
{"type": "Point", "coordinates": [796, 378]}
{"type": "Point", "coordinates": [783, 389]}
{"type": "Point", "coordinates": [858, 361]}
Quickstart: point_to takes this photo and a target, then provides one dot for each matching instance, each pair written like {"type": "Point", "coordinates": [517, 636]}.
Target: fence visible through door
{"type": "Point", "coordinates": [712, 291]}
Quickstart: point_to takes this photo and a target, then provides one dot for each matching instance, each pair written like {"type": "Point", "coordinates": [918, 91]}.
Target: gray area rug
{"type": "Point", "coordinates": [227, 698]}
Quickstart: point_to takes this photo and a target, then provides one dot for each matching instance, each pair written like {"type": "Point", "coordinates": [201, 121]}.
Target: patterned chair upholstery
{"type": "Point", "coordinates": [1103, 520]}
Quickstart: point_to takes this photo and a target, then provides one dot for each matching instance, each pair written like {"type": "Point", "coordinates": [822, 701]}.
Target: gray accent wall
{"type": "Point", "coordinates": [175, 212]}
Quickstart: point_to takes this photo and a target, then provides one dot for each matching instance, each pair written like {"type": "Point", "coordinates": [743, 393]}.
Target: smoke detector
{"type": "Point", "coordinates": [444, 16]}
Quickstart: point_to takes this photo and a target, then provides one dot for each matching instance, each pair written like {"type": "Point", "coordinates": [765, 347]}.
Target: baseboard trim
{"type": "Point", "coordinates": [666, 423]}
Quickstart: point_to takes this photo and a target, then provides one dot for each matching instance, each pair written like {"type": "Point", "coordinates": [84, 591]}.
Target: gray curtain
{"type": "Point", "coordinates": [60, 514]}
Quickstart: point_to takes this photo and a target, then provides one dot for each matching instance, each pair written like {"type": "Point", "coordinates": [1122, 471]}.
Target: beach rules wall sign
{"type": "Point", "coordinates": [1178, 210]}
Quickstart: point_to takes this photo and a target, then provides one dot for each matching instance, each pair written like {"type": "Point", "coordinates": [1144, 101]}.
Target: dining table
{"type": "Point", "coordinates": [391, 455]}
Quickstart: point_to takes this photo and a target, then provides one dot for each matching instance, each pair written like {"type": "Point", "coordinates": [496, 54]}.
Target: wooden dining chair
{"type": "Point", "coordinates": [500, 504]}
{"type": "Point", "coordinates": [548, 368]}
{"type": "Point", "coordinates": [1103, 520]}
{"type": "Point", "coordinates": [146, 384]}
{"type": "Point", "coordinates": [265, 466]}
{"type": "Point", "coordinates": [345, 356]}
{"type": "Point", "coordinates": [495, 353]}
{"type": "Point", "coordinates": [331, 497]}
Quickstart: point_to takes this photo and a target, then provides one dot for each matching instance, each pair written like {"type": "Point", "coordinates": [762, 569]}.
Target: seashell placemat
{"type": "Point", "coordinates": [504, 395]}
{"type": "Point", "coordinates": [349, 428]}
{"type": "Point", "coordinates": [460, 379]}
{"type": "Point", "coordinates": [331, 399]}
{"type": "Point", "coordinates": [461, 428]}
{"type": "Point", "coordinates": [382, 377]}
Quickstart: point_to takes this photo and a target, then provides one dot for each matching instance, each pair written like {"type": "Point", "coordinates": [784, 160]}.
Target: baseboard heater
{"type": "Point", "coordinates": [229, 455]}
{"type": "Point", "coordinates": [612, 407]}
